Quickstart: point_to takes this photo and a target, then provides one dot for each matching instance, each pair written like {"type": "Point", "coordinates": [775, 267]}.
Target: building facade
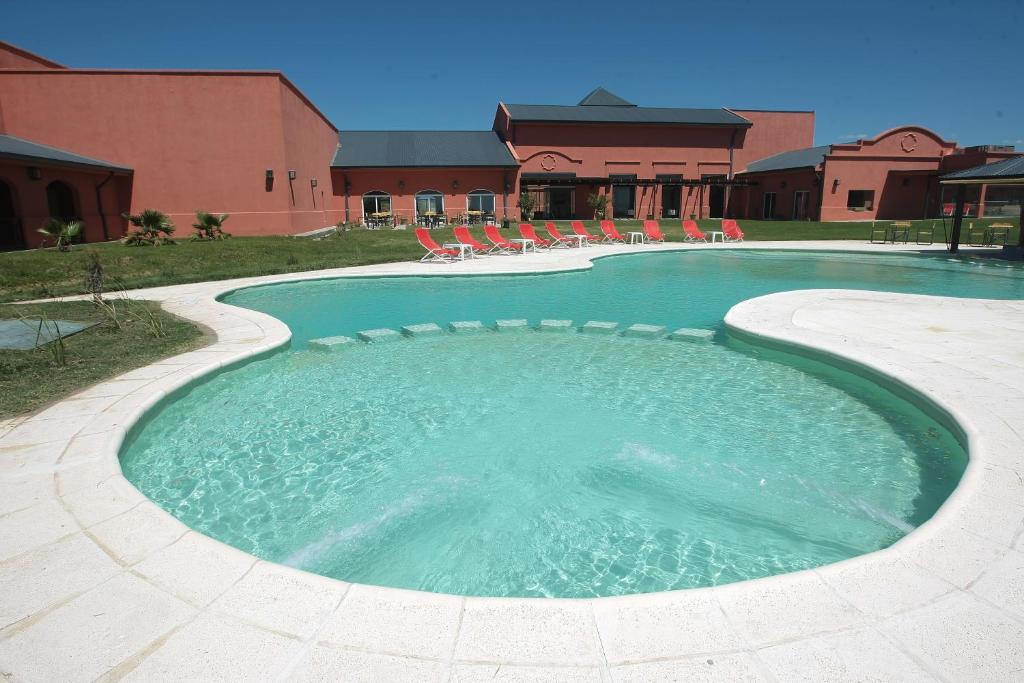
{"type": "Point", "coordinates": [93, 144]}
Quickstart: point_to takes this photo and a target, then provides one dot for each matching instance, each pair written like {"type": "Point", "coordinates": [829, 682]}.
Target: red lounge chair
{"type": "Point", "coordinates": [463, 235]}
{"type": "Point", "coordinates": [528, 232]}
{"type": "Point", "coordinates": [557, 238]}
{"type": "Point", "coordinates": [611, 233]}
{"type": "Point", "coordinates": [731, 230]}
{"type": "Point", "coordinates": [577, 227]}
{"type": "Point", "coordinates": [692, 233]}
{"type": "Point", "coordinates": [653, 231]}
{"type": "Point", "coordinates": [501, 245]}
{"type": "Point", "coordinates": [434, 250]}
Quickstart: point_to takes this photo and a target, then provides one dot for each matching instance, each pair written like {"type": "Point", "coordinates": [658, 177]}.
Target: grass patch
{"type": "Point", "coordinates": [44, 273]}
{"type": "Point", "coordinates": [123, 340]}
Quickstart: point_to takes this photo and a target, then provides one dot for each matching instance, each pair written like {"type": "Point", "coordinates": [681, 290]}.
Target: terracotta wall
{"type": "Point", "coordinates": [196, 140]}
{"type": "Point", "coordinates": [773, 132]}
{"type": "Point", "coordinates": [31, 207]}
{"type": "Point", "coordinates": [403, 184]}
{"type": "Point", "coordinates": [785, 185]}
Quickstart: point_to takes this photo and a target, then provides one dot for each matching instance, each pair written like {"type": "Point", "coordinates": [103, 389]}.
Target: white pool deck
{"type": "Point", "coordinates": [98, 583]}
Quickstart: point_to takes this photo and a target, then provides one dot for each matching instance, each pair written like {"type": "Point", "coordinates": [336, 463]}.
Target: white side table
{"type": "Point", "coordinates": [465, 250]}
{"type": "Point", "coordinates": [580, 240]}
{"type": "Point", "coordinates": [716, 236]}
{"type": "Point", "coordinates": [527, 244]}
{"type": "Point", "coordinates": [637, 238]}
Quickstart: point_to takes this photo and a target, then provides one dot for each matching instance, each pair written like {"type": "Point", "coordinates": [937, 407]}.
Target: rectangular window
{"type": "Point", "coordinates": [800, 201]}
{"type": "Point", "coordinates": [623, 196]}
{"type": "Point", "coordinates": [481, 201]}
{"type": "Point", "coordinates": [860, 200]}
{"type": "Point", "coordinates": [769, 206]}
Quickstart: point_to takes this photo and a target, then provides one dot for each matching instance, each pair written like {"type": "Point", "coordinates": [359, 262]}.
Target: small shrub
{"type": "Point", "coordinates": [598, 203]}
{"type": "Point", "coordinates": [210, 226]}
{"type": "Point", "coordinates": [94, 274]}
{"type": "Point", "coordinates": [63, 233]}
{"type": "Point", "coordinates": [152, 227]}
{"type": "Point", "coordinates": [527, 202]}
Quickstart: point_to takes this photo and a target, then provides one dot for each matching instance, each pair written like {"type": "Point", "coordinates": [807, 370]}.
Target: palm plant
{"type": "Point", "coordinates": [598, 203]}
{"type": "Point", "coordinates": [61, 232]}
{"type": "Point", "coordinates": [526, 203]}
{"type": "Point", "coordinates": [151, 227]}
{"type": "Point", "coordinates": [209, 226]}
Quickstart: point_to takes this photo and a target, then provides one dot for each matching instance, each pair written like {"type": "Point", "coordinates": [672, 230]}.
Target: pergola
{"type": "Point", "coordinates": [1005, 172]}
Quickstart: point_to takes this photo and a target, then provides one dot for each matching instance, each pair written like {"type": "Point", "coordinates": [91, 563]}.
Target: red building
{"type": "Point", "coordinates": [94, 143]}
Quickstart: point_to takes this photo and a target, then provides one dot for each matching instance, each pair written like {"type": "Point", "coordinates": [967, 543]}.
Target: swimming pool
{"type": "Point", "coordinates": [540, 464]}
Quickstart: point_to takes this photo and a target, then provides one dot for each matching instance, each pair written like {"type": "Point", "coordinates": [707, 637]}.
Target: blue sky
{"type": "Point", "coordinates": [862, 67]}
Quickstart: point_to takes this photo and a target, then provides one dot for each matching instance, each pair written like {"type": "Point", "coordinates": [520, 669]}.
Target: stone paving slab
{"type": "Point", "coordinates": [97, 582]}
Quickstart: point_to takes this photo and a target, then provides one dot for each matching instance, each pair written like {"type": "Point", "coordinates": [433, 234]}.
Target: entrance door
{"type": "Point", "coordinates": [671, 198]}
{"type": "Point", "coordinates": [623, 197]}
{"type": "Point", "coordinates": [11, 236]}
{"type": "Point", "coordinates": [768, 212]}
{"type": "Point", "coordinates": [716, 197]}
{"type": "Point", "coordinates": [560, 203]}
{"type": "Point", "coordinates": [800, 199]}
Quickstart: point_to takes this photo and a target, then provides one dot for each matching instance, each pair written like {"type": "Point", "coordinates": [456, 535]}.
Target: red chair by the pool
{"type": "Point", "coordinates": [464, 236]}
{"type": "Point", "coordinates": [530, 233]}
{"type": "Point", "coordinates": [653, 231]}
{"type": "Point", "coordinates": [692, 233]}
{"type": "Point", "coordinates": [611, 233]}
{"type": "Point", "coordinates": [731, 230]}
{"type": "Point", "coordinates": [435, 252]}
{"type": "Point", "coordinates": [557, 238]}
{"type": "Point", "coordinates": [501, 245]}
{"type": "Point", "coordinates": [579, 229]}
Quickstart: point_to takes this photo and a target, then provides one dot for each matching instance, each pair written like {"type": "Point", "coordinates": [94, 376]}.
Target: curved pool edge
{"type": "Point", "coordinates": [176, 587]}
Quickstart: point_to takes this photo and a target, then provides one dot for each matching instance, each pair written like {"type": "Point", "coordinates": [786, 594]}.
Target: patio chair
{"type": "Point", "coordinates": [501, 245]}
{"type": "Point", "coordinates": [529, 232]}
{"type": "Point", "coordinates": [653, 231]}
{"type": "Point", "coordinates": [435, 252]}
{"type": "Point", "coordinates": [731, 230]}
{"type": "Point", "coordinates": [557, 238]}
{"type": "Point", "coordinates": [692, 232]}
{"type": "Point", "coordinates": [611, 233]}
{"type": "Point", "coordinates": [579, 229]}
{"type": "Point", "coordinates": [464, 236]}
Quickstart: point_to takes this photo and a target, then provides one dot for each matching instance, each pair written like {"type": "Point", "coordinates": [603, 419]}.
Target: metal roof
{"type": "Point", "coordinates": [809, 157]}
{"type": "Point", "coordinates": [591, 113]}
{"type": "Point", "coordinates": [1007, 170]}
{"type": "Point", "coordinates": [424, 148]}
{"type": "Point", "coordinates": [12, 147]}
{"type": "Point", "coordinates": [601, 97]}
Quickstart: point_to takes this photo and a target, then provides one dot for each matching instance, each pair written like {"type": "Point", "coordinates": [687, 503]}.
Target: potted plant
{"type": "Point", "coordinates": [527, 201]}
{"type": "Point", "coordinates": [598, 203]}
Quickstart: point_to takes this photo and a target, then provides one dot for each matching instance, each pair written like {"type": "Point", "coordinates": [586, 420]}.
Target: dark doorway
{"type": "Point", "coordinates": [671, 197]}
{"type": "Point", "coordinates": [623, 197]}
{"type": "Point", "coordinates": [716, 197]}
{"type": "Point", "coordinates": [61, 201]}
{"type": "Point", "coordinates": [560, 203]}
{"type": "Point", "coordinates": [11, 235]}
{"type": "Point", "coordinates": [800, 201]}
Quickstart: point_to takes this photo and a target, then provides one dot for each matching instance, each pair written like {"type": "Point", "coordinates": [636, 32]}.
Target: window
{"type": "Point", "coordinates": [480, 200]}
{"type": "Point", "coordinates": [769, 206]}
{"type": "Point", "coordinates": [429, 202]}
{"type": "Point", "coordinates": [860, 200]}
{"type": "Point", "coordinates": [376, 202]}
{"type": "Point", "coordinates": [61, 201]}
{"type": "Point", "coordinates": [800, 200]}
{"type": "Point", "coordinates": [623, 196]}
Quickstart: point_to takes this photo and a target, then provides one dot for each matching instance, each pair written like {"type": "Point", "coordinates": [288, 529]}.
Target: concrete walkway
{"type": "Point", "coordinates": [96, 582]}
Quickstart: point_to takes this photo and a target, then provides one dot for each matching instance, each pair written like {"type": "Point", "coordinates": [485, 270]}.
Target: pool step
{"type": "Point", "coordinates": [517, 325]}
{"type": "Point", "coordinates": [694, 335]}
{"type": "Point", "coordinates": [645, 331]}
{"type": "Point", "coordinates": [381, 334]}
{"type": "Point", "coordinates": [330, 343]}
{"type": "Point", "coordinates": [464, 326]}
{"type": "Point", "coordinates": [422, 330]}
{"type": "Point", "coordinates": [599, 327]}
{"type": "Point", "coordinates": [555, 325]}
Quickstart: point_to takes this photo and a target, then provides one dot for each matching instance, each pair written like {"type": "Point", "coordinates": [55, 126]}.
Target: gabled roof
{"type": "Point", "coordinates": [21, 149]}
{"type": "Point", "coordinates": [624, 114]}
{"type": "Point", "coordinates": [423, 148]}
{"type": "Point", "coordinates": [599, 97]}
{"type": "Point", "coordinates": [1006, 170]}
{"type": "Point", "coordinates": [809, 157]}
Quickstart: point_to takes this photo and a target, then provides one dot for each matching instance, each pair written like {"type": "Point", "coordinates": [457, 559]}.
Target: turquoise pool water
{"type": "Point", "coordinates": [556, 464]}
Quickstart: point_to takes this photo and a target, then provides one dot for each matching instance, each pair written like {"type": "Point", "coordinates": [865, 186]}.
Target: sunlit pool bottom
{"type": "Point", "coordinates": [542, 464]}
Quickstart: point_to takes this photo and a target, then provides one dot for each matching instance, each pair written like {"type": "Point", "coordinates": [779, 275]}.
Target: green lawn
{"type": "Point", "coordinates": [30, 380]}
{"type": "Point", "coordinates": [37, 274]}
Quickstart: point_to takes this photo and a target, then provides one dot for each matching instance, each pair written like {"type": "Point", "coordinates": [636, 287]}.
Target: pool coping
{"type": "Point", "coordinates": [75, 534]}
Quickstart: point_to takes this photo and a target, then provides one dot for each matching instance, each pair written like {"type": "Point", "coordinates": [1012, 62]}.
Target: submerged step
{"type": "Point", "coordinates": [555, 325]}
{"type": "Point", "coordinates": [599, 327]}
{"type": "Point", "coordinates": [330, 343]}
{"type": "Point", "coordinates": [692, 334]}
{"type": "Point", "coordinates": [510, 325]}
{"type": "Point", "coordinates": [381, 334]}
{"type": "Point", "coordinates": [422, 330]}
{"type": "Point", "coordinates": [466, 326]}
{"type": "Point", "coordinates": [646, 331]}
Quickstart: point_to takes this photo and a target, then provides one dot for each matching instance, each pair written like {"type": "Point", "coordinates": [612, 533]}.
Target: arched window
{"type": "Point", "coordinates": [376, 202]}
{"type": "Point", "coordinates": [429, 203]}
{"type": "Point", "coordinates": [11, 236]}
{"type": "Point", "coordinates": [482, 201]}
{"type": "Point", "coordinates": [61, 201]}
